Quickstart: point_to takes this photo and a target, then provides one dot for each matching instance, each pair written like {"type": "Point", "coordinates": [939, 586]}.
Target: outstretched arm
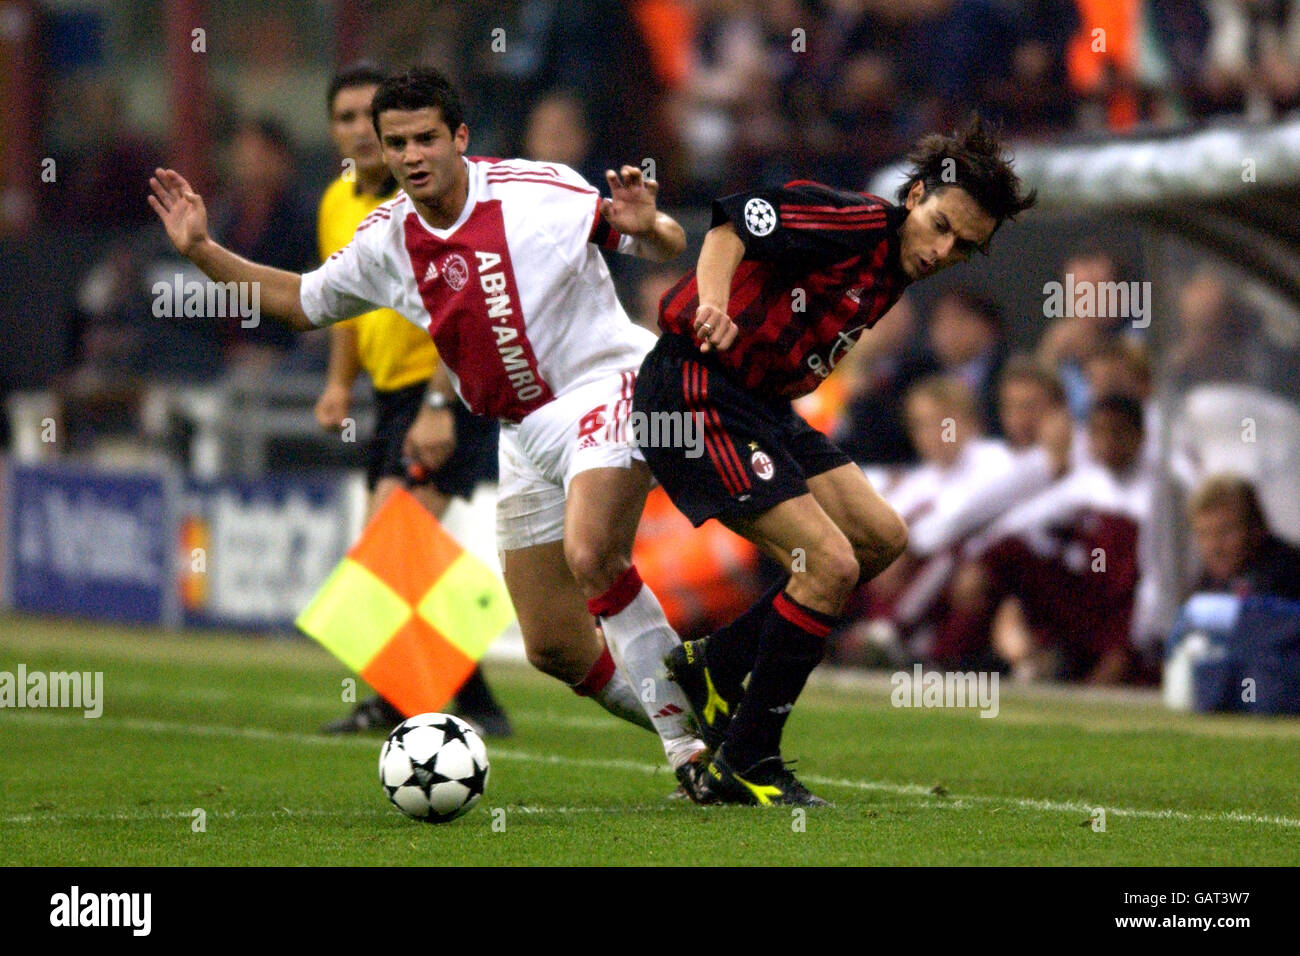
{"type": "Point", "coordinates": [631, 210]}
{"type": "Point", "coordinates": [185, 218]}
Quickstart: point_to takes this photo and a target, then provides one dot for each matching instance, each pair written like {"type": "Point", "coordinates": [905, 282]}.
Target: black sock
{"type": "Point", "coordinates": [474, 696]}
{"type": "Point", "coordinates": [793, 642]}
{"type": "Point", "coordinates": [732, 649]}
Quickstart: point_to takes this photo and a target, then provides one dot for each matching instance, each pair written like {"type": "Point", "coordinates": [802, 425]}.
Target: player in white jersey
{"type": "Point", "coordinates": [499, 262]}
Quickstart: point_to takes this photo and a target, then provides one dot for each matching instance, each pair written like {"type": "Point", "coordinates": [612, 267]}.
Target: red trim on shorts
{"type": "Point", "coordinates": [600, 674]}
{"type": "Point", "coordinates": [799, 616]}
{"type": "Point", "coordinates": [724, 439]}
{"type": "Point", "coordinates": [708, 443]}
{"type": "Point", "coordinates": [618, 595]}
{"type": "Point", "coordinates": [690, 372]}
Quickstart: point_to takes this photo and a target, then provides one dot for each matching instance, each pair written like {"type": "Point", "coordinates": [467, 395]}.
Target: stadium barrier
{"type": "Point", "coordinates": [157, 547]}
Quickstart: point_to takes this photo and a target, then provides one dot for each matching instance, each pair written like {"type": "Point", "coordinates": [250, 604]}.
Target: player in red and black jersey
{"type": "Point", "coordinates": [787, 280]}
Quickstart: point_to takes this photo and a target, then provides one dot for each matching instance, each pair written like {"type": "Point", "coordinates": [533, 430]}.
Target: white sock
{"type": "Point", "coordinates": [638, 636]}
{"type": "Point", "coordinates": [609, 688]}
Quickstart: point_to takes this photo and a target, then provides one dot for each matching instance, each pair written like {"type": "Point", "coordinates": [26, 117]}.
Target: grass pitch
{"type": "Point", "coordinates": [226, 725]}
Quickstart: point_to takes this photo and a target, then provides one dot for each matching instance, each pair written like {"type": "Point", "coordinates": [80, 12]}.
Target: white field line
{"type": "Point", "coordinates": [217, 695]}
{"type": "Point", "coordinates": [951, 801]}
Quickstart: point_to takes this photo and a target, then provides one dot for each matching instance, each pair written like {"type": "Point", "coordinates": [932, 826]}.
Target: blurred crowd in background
{"type": "Point", "coordinates": [715, 94]}
{"type": "Point", "coordinates": [1056, 439]}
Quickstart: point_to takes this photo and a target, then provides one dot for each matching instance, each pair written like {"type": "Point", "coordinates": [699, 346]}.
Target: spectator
{"type": "Point", "coordinates": [999, 475]}
{"type": "Point", "coordinates": [857, 81]}
{"type": "Point", "coordinates": [1122, 367]}
{"type": "Point", "coordinates": [1237, 551]}
{"type": "Point", "coordinates": [263, 217]}
{"type": "Point", "coordinates": [1219, 339]}
{"type": "Point", "coordinates": [945, 428]}
{"type": "Point", "coordinates": [728, 68]}
{"type": "Point", "coordinates": [1039, 446]}
{"type": "Point", "coordinates": [1070, 555]}
{"type": "Point", "coordinates": [557, 132]}
{"type": "Point", "coordinates": [1253, 60]}
{"type": "Point", "coordinates": [108, 159]}
{"type": "Point", "coordinates": [115, 340]}
{"type": "Point", "coordinates": [1027, 86]}
{"type": "Point", "coordinates": [1103, 61]}
{"type": "Point", "coordinates": [1181, 28]}
{"type": "Point", "coordinates": [1028, 393]}
{"type": "Point", "coordinates": [966, 339]}
{"type": "Point", "coordinates": [587, 45]}
{"type": "Point", "coordinates": [992, 56]}
{"type": "Point", "coordinates": [1086, 328]}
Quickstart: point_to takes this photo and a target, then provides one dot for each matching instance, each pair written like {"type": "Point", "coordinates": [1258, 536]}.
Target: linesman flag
{"type": "Point", "coordinates": [408, 608]}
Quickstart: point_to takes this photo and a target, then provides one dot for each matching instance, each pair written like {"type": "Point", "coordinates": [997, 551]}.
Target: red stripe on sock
{"type": "Point", "coordinates": [618, 596]}
{"type": "Point", "coordinates": [799, 616]}
{"type": "Point", "coordinates": [597, 677]}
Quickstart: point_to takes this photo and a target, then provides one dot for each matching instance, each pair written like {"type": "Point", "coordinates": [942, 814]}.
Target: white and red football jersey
{"type": "Point", "coordinates": [515, 293]}
{"type": "Point", "coordinates": [926, 491]}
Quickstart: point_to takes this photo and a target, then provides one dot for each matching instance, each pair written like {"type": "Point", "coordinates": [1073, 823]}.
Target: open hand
{"type": "Point", "coordinates": [631, 208]}
{"type": "Point", "coordinates": [180, 208]}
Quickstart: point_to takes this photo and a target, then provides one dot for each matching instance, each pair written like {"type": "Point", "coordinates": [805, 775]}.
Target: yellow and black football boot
{"type": "Point", "coordinates": [687, 669]}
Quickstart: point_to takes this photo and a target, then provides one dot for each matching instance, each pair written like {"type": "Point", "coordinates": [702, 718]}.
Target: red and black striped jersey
{"type": "Point", "coordinates": [821, 266]}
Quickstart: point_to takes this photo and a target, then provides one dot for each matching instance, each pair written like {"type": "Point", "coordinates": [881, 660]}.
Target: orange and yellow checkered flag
{"type": "Point", "coordinates": [408, 608]}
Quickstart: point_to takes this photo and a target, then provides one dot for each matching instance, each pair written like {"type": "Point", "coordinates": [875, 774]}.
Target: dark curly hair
{"type": "Point", "coordinates": [417, 89]}
{"type": "Point", "coordinates": [971, 159]}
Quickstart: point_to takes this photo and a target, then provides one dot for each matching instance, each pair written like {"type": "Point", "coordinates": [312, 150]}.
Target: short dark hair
{"type": "Point", "coordinates": [1125, 406]}
{"type": "Point", "coordinates": [970, 159]}
{"type": "Point", "coordinates": [416, 89]}
{"type": "Point", "coordinates": [364, 73]}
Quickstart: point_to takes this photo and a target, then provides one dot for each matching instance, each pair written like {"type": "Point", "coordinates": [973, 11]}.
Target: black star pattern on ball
{"type": "Point", "coordinates": [477, 780]}
{"type": "Point", "coordinates": [452, 730]}
{"type": "Point", "coordinates": [401, 731]}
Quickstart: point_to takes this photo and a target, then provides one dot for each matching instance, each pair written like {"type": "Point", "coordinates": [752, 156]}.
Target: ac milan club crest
{"type": "Point", "coordinates": [455, 271]}
{"type": "Point", "coordinates": [762, 465]}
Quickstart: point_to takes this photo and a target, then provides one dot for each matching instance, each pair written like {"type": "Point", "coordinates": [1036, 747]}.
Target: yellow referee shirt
{"type": "Point", "coordinates": [393, 352]}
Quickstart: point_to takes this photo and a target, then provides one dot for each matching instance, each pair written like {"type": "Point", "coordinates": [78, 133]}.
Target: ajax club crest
{"type": "Point", "coordinates": [456, 271]}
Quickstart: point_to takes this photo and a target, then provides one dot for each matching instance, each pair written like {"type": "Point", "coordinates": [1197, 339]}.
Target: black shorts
{"type": "Point", "coordinates": [473, 460]}
{"type": "Point", "coordinates": [740, 453]}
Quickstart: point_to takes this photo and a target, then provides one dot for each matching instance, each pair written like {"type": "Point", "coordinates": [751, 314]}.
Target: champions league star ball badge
{"type": "Point", "coordinates": [760, 217]}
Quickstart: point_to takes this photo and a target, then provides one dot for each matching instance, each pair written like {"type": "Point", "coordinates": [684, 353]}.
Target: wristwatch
{"type": "Point", "coordinates": [436, 400]}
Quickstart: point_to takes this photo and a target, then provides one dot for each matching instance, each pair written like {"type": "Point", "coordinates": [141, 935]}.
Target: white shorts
{"type": "Point", "coordinates": [585, 429]}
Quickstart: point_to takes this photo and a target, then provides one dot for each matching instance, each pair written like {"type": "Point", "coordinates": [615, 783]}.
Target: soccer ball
{"type": "Point", "coordinates": [433, 767]}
